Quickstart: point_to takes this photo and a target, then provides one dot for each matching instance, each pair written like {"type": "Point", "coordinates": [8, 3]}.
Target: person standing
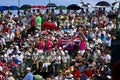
{"type": "Point", "coordinates": [32, 24]}
{"type": "Point", "coordinates": [29, 75]}
{"type": "Point", "coordinates": [38, 20]}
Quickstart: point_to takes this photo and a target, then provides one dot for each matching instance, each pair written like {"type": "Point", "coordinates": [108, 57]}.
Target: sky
{"type": "Point", "coordinates": [45, 2]}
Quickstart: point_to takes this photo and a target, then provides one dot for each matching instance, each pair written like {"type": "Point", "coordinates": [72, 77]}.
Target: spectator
{"type": "Point", "coordinates": [29, 75]}
{"type": "Point", "coordinates": [10, 77]}
{"type": "Point", "coordinates": [76, 73]}
{"type": "Point", "coordinates": [38, 21]}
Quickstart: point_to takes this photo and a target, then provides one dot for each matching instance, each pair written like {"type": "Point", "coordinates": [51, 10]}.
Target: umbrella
{"type": "Point", "coordinates": [51, 5]}
{"type": "Point", "coordinates": [73, 7]}
{"type": "Point", "coordinates": [34, 6]}
{"type": "Point", "coordinates": [103, 3]}
{"type": "Point", "coordinates": [49, 25]}
{"type": "Point", "coordinates": [85, 5]}
{"type": "Point", "coordinates": [117, 4]}
{"type": "Point", "coordinates": [2, 8]}
{"type": "Point", "coordinates": [61, 7]}
{"type": "Point", "coordinates": [39, 6]}
{"type": "Point", "coordinates": [42, 7]}
{"type": "Point", "coordinates": [114, 3]}
{"type": "Point", "coordinates": [25, 6]}
{"type": "Point", "coordinates": [12, 8]}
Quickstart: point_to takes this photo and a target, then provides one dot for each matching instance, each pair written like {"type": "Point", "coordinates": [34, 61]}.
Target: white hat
{"type": "Point", "coordinates": [2, 56]}
{"type": "Point", "coordinates": [11, 45]}
{"type": "Point", "coordinates": [86, 31]}
{"type": "Point", "coordinates": [65, 34]}
{"type": "Point", "coordinates": [79, 52]}
{"type": "Point", "coordinates": [94, 39]}
{"type": "Point", "coordinates": [109, 77]}
{"type": "Point", "coordinates": [37, 35]}
{"type": "Point", "coordinates": [28, 39]}
{"type": "Point", "coordinates": [5, 48]}
{"type": "Point", "coordinates": [66, 51]}
{"type": "Point", "coordinates": [60, 48]}
{"type": "Point", "coordinates": [28, 68]}
{"type": "Point", "coordinates": [109, 35]}
{"type": "Point", "coordinates": [88, 24]}
{"type": "Point", "coordinates": [89, 49]}
{"type": "Point", "coordinates": [6, 73]}
{"type": "Point", "coordinates": [66, 21]}
{"type": "Point", "coordinates": [29, 35]}
{"type": "Point", "coordinates": [36, 48]}
{"type": "Point", "coordinates": [13, 56]}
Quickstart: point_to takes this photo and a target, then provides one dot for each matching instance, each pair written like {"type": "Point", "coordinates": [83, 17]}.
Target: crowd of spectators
{"type": "Point", "coordinates": [78, 49]}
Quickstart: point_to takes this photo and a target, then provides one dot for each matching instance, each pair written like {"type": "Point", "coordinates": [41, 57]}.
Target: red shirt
{"type": "Point", "coordinates": [32, 22]}
{"type": "Point", "coordinates": [13, 64]}
{"type": "Point", "coordinates": [76, 73]}
{"type": "Point", "coordinates": [2, 72]}
{"type": "Point", "coordinates": [1, 64]}
{"type": "Point", "coordinates": [88, 73]}
{"type": "Point", "coordinates": [6, 29]}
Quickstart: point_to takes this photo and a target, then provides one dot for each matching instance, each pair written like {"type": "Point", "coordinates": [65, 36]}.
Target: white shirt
{"type": "Point", "coordinates": [92, 35]}
{"type": "Point", "coordinates": [20, 57]}
{"type": "Point", "coordinates": [65, 58]}
{"type": "Point", "coordinates": [10, 78]}
{"type": "Point", "coordinates": [98, 41]}
{"type": "Point", "coordinates": [11, 36]}
{"type": "Point", "coordinates": [46, 64]}
{"type": "Point", "coordinates": [53, 54]}
{"type": "Point", "coordinates": [2, 41]}
{"type": "Point", "coordinates": [109, 27]}
{"type": "Point", "coordinates": [35, 54]}
{"type": "Point", "coordinates": [6, 57]}
{"type": "Point", "coordinates": [107, 58]}
{"type": "Point", "coordinates": [10, 51]}
{"type": "Point", "coordinates": [69, 77]}
{"type": "Point", "coordinates": [60, 78]}
{"type": "Point", "coordinates": [27, 53]}
{"type": "Point", "coordinates": [108, 42]}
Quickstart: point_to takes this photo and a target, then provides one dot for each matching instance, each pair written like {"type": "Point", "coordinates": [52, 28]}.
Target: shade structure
{"type": "Point", "coordinates": [114, 3]}
{"type": "Point", "coordinates": [25, 7]}
{"type": "Point", "coordinates": [103, 3]}
{"type": "Point", "coordinates": [51, 5]}
{"type": "Point", "coordinates": [61, 7]}
{"type": "Point", "coordinates": [117, 4]}
{"type": "Point", "coordinates": [49, 25]}
{"type": "Point", "coordinates": [73, 7]}
{"type": "Point", "coordinates": [85, 5]}
{"type": "Point", "coordinates": [34, 6]}
{"type": "Point", "coordinates": [2, 8]}
{"type": "Point", "coordinates": [42, 7]}
{"type": "Point", "coordinates": [38, 6]}
{"type": "Point", "coordinates": [12, 8]}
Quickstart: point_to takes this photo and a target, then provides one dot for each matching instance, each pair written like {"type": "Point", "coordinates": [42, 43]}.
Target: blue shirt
{"type": "Point", "coordinates": [29, 76]}
{"type": "Point", "coordinates": [16, 61]}
{"type": "Point", "coordinates": [103, 38]}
